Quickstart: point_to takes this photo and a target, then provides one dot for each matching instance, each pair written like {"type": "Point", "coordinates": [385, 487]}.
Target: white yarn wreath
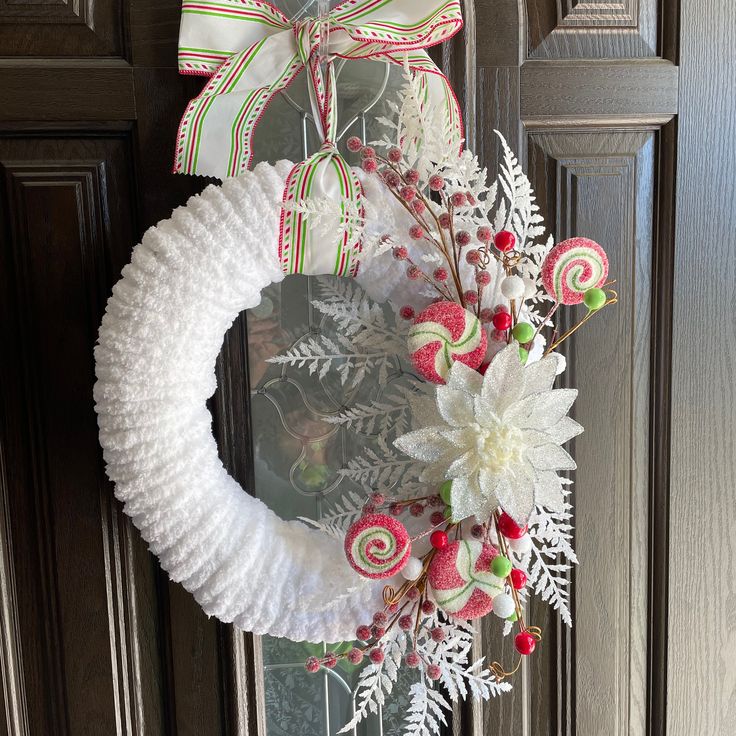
{"type": "Point", "coordinates": [188, 280]}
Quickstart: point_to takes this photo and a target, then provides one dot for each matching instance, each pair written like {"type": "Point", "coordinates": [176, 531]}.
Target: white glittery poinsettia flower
{"type": "Point", "coordinates": [499, 437]}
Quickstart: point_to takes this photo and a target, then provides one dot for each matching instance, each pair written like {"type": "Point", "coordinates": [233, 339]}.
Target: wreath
{"type": "Point", "coordinates": [466, 506]}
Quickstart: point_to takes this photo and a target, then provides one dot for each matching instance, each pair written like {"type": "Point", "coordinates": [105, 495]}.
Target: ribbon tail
{"type": "Point", "coordinates": [216, 131]}
{"type": "Point", "coordinates": [322, 217]}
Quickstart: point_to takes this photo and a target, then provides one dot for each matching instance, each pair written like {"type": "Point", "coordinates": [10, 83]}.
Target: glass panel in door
{"type": "Point", "coordinates": [298, 453]}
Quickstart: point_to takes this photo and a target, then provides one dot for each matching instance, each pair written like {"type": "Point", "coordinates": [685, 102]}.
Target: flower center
{"type": "Point", "coordinates": [500, 447]}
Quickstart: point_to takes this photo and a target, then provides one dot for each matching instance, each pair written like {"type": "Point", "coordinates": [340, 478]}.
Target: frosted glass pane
{"type": "Point", "coordinates": [297, 453]}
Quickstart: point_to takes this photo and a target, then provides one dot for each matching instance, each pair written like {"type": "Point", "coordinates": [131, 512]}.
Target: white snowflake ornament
{"type": "Point", "coordinates": [500, 437]}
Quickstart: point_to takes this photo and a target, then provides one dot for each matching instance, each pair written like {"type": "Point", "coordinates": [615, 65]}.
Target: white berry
{"type": "Point", "coordinates": [530, 288]}
{"type": "Point", "coordinates": [512, 287]}
{"type": "Point", "coordinates": [413, 569]}
{"type": "Point", "coordinates": [522, 545]}
{"type": "Point", "coordinates": [503, 605]}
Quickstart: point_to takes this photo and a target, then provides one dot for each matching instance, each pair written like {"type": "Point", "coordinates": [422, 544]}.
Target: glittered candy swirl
{"type": "Point", "coordinates": [443, 333]}
{"type": "Point", "coordinates": [377, 546]}
{"type": "Point", "coordinates": [572, 267]}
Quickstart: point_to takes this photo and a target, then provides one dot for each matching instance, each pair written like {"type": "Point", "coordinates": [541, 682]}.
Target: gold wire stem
{"type": "Point", "coordinates": [500, 673]}
{"type": "Point", "coordinates": [613, 299]}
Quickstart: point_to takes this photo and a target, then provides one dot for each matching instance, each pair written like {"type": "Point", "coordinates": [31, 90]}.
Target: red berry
{"type": "Point", "coordinates": [440, 274]}
{"type": "Point", "coordinates": [478, 530]}
{"type": "Point", "coordinates": [525, 643]}
{"type": "Point", "coordinates": [355, 655]}
{"type": "Point", "coordinates": [413, 659]}
{"type": "Point", "coordinates": [368, 508]}
{"type": "Point", "coordinates": [368, 152]}
{"type": "Point", "coordinates": [483, 278]}
{"type": "Point", "coordinates": [376, 656]}
{"type": "Point", "coordinates": [311, 665]}
{"type": "Point", "coordinates": [504, 241]}
{"type": "Point", "coordinates": [330, 660]}
{"type": "Point", "coordinates": [416, 232]}
{"type": "Point", "coordinates": [380, 618]}
{"type": "Point", "coordinates": [500, 308]}
{"type": "Point", "coordinates": [518, 578]}
{"type": "Point", "coordinates": [418, 206]}
{"type": "Point", "coordinates": [394, 155]}
{"type": "Point", "coordinates": [486, 315]}
{"type": "Point", "coordinates": [412, 594]}
{"type": "Point", "coordinates": [436, 500]}
{"type": "Point", "coordinates": [498, 336]}
{"type": "Point", "coordinates": [434, 672]}
{"type": "Point", "coordinates": [509, 528]}
{"type": "Point", "coordinates": [414, 272]}
{"type": "Point", "coordinates": [393, 608]}
{"type": "Point", "coordinates": [363, 633]}
{"type": "Point", "coordinates": [437, 518]}
{"type": "Point", "coordinates": [473, 257]}
{"type": "Point", "coordinates": [438, 634]}
{"type": "Point", "coordinates": [445, 220]}
{"type": "Point", "coordinates": [438, 539]}
{"type": "Point", "coordinates": [408, 193]}
{"type": "Point", "coordinates": [400, 252]}
{"type": "Point", "coordinates": [428, 608]}
{"type": "Point", "coordinates": [369, 165]}
{"type": "Point", "coordinates": [501, 320]}
{"type": "Point", "coordinates": [459, 199]}
{"type": "Point", "coordinates": [436, 183]}
{"type": "Point", "coordinates": [354, 143]}
{"type": "Point", "coordinates": [462, 238]}
{"type": "Point", "coordinates": [395, 509]}
{"type": "Point", "coordinates": [416, 509]}
{"type": "Point", "coordinates": [378, 631]}
{"type": "Point", "coordinates": [471, 297]}
{"type": "Point", "coordinates": [484, 234]}
{"type": "Point", "coordinates": [412, 176]}
{"type": "Point", "coordinates": [392, 179]}
{"type": "Point", "coordinates": [377, 498]}
{"type": "Point", "coordinates": [406, 312]}
{"type": "Point", "coordinates": [406, 622]}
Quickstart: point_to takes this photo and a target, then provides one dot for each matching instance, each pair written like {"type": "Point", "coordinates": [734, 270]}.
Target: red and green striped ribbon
{"type": "Point", "coordinates": [251, 51]}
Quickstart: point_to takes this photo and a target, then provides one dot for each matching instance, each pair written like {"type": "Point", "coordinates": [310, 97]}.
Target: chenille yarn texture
{"type": "Point", "coordinates": [188, 280]}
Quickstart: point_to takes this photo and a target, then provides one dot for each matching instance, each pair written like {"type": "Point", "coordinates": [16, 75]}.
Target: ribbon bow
{"type": "Point", "coordinates": [251, 51]}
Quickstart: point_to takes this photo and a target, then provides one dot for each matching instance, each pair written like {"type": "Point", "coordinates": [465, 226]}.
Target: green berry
{"type": "Point", "coordinates": [446, 491]}
{"type": "Point", "coordinates": [594, 299]}
{"type": "Point", "coordinates": [523, 332]}
{"type": "Point", "coordinates": [523, 355]}
{"type": "Point", "coordinates": [501, 566]}
{"type": "Point", "coordinates": [513, 617]}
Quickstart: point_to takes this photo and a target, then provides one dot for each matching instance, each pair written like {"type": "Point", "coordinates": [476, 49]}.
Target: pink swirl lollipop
{"type": "Point", "coordinates": [461, 579]}
{"type": "Point", "coordinates": [377, 546]}
{"type": "Point", "coordinates": [572, 267]}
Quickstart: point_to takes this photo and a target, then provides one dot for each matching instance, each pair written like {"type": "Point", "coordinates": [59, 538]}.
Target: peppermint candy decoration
{"type": "Point", "coordinates": [572, 267]}
{"type": "Point", "coordinates": [461, 579]}
{"type": "Point", "coordinates": [377, 546]}
{"type": "Point", "coordinates": [442, 334]}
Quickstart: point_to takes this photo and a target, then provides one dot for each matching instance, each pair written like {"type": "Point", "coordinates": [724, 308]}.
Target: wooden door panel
{"type": "Point", "coordinates": [579, 92]}
{"type": "Point", "coordinates": [70, 584]}
{"type": "Point", "coordinates": [61, 28]}
{"type": "Point", "coordinates": [601, 184]}
{"type": "Point", "coordinates": [593, 29]}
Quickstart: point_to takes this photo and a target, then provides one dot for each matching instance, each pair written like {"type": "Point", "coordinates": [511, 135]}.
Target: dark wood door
{"type": "Point", "coordinates": [93, 637]}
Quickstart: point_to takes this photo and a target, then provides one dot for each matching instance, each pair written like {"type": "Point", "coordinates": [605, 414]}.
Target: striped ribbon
{"type": "Point", "coordinates": [251, 51]}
